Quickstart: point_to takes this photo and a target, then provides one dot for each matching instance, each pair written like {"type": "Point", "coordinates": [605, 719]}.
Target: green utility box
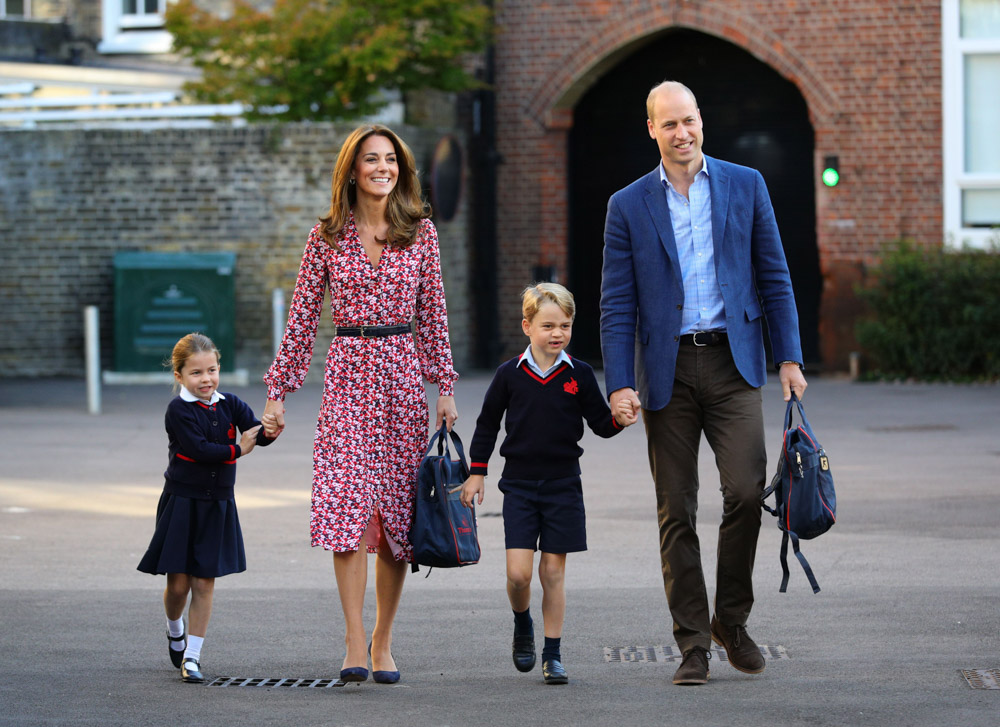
{"type": "Point", "coordinates": [161, 296]}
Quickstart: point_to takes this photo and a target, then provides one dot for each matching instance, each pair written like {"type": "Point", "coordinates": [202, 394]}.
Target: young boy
{"type": "Point", "coordinates": [546, 396]}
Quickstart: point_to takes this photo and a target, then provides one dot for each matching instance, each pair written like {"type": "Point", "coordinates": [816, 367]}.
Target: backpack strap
{"type": "Point", "coordinates": [458, 448]}
{"type": "Point", "coordinates": [785, 536]}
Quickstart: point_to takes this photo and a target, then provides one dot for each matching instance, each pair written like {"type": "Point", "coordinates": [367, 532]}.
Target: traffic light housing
{"type": "Point", "coordinates": [831, 171]}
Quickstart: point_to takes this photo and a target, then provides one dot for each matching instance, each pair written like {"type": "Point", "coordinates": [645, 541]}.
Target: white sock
{"type": "Point", "coordinates": [176, 629]}
{"type": "Point", "coordinates": [193, 650]}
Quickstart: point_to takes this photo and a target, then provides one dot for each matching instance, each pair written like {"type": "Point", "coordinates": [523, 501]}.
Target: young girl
{"type": "Point", "coordinates": [198, 536]}
{"type": "Point", "coordinates": [546, 396]}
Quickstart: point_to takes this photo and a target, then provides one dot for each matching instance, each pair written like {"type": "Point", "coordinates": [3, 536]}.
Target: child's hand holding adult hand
{"type": "Point", "coordinates": [248, 440]}
{"type": "Point", "coordinates": [626, 413]}
{"type": "Point", "coordinates": [475, 484]}
{"type": "Point", "coordinates": [271, 428]}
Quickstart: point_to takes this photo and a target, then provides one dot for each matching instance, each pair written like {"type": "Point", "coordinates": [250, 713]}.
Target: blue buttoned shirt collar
{"type": "Point", "coordinates": [663, 172]}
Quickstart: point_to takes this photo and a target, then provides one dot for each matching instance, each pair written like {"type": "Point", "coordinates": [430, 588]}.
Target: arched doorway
{"type": "Point", "coordinates": [752, 116]}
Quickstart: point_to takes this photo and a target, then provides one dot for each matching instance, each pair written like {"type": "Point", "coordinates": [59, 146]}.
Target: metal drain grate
{"type": "Point", "coordinates": [982, 678]}
{"type": "Point", "coordinates": [275, 682]}
{"type": "Point", "coordinates": [652, 654]}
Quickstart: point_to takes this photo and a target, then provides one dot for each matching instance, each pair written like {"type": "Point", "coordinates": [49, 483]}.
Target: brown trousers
{"type": "Point", "coordinates": [709, 396]}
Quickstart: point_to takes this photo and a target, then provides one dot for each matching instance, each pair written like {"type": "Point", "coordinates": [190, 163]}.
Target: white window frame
{"type": "Point", "coordinates": [955, 49]}
{"type": "Point", "coordinates": [132, 33]}
{"type": "Point", "coordinates": [27, 10]}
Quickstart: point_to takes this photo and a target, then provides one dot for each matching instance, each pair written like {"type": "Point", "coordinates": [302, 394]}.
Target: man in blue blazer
{"type": "Point", "coordinates": [693, 264]}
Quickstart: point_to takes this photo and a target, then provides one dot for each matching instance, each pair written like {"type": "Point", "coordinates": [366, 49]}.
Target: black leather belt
{"type": "Point", "coordinates": [704, 338]}
{"type": "Point", "coordinates": [373, 331]}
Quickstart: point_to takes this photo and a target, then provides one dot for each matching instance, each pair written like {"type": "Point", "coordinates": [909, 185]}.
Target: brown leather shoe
{"type": "Point", "coordinates": [743, 653]}
{"type": "Point", "coordinates": [694, 667]}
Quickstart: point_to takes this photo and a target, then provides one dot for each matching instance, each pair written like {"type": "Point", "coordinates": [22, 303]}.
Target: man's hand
{"type": "Point", "coordinates": [790, 375]}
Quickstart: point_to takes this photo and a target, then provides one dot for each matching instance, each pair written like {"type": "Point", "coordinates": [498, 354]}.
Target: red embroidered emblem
{"type": "Point", "coordinates": [571, 387]}
{"type": "Point", "coordinates": [232, 432]}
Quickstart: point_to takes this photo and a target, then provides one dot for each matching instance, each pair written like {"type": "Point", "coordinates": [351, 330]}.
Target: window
{"type": "Point", "coordinates": [971, 116]}
{"type": "Point", "coordinates": [134, 26]}
{"type": "Point", "coordinates": [15, 8]}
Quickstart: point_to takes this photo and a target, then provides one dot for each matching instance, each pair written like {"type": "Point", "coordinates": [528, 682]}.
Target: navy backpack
{"type": "Point", "coordinates": [443, 531]}
{"type": "Point", "coordinates": [805, 503]}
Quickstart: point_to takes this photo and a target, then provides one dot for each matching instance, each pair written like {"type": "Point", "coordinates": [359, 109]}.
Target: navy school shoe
{"type": "Point", "coordinates": [523, 651]}
{"type": "Point", "coordinates": [553, 672]}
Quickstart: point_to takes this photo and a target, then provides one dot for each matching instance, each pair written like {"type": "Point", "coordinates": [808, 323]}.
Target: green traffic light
{"type": "Point", "coordinates": [831, 177]}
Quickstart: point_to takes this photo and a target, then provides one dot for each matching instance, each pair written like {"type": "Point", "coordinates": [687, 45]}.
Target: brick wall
{"type": "Point", "coordinates": [870, 72]}
{"type": "Point", "coordinates": [69, 199]}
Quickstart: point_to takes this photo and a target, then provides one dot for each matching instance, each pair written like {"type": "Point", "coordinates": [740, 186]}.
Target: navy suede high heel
{"type": "Point", "coordinates": [382, 676]}
{"type": "Point", "coordinates": [354, 674]}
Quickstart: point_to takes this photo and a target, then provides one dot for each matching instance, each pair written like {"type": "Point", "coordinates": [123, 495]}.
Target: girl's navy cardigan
{"type": "Point", "coordinates": [202, 441]}
{"type": "Point", "coordinates": [544, 420]}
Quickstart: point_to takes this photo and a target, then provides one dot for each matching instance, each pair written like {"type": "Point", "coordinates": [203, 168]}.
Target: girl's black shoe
{"type": "Point", "coordinates": [191, 671]}
{"type": "Point", "coordinates": [176, 657]}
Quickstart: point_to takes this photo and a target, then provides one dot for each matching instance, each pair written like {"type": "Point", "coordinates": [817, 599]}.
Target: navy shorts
{"type": "Point", "coordinates": [544, 515]}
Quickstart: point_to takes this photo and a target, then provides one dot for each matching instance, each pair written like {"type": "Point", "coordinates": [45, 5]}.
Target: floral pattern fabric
{"type": "Point", "coordinates": [373, 421]}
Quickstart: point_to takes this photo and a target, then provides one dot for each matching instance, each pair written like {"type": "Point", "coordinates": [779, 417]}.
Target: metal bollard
{"type": "Point", "coordinates": [92, 344]}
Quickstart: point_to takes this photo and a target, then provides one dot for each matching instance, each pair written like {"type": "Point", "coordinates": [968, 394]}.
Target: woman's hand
{"type": "Point", "coordinates": [446, 412]}
{"type": "Point", "coordinates": [274, 418]}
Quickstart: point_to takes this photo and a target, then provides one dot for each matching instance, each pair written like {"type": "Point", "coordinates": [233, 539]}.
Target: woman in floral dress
{"type": "Point", "coordinates": [377, 253]}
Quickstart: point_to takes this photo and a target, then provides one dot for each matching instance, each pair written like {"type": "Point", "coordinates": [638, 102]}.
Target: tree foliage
{"type": "Point", "coordinates": [327, 59]}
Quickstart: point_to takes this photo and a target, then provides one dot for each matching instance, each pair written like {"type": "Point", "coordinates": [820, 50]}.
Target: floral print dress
{"type": "Point", "coordinates": [373, 422]}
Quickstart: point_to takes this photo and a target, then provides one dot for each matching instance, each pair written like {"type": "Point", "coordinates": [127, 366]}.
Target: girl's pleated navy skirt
{"type": "Point", "coordinates": [201, 538]}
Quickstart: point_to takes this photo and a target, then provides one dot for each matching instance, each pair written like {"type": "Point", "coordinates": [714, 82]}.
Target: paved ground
{"type": "Point", "coordinates": [909, 575]}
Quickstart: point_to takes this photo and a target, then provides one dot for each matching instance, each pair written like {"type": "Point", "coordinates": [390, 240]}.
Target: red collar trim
{"type": "Point", "coordinates": [524, 367]}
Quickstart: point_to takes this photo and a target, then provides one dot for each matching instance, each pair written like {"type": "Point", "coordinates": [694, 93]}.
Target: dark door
{"type": "Point", "coordinates": [752, 116]}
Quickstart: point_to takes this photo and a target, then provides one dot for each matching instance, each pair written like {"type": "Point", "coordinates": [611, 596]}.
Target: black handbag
{"type": "Point", "coordinates": [443, 531]}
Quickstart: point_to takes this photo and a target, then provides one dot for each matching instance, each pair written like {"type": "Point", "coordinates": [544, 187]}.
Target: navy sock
{"type": "Point", "coordinates": [551, 649]}
{"type": "Point", "coordinates": [523, 623]}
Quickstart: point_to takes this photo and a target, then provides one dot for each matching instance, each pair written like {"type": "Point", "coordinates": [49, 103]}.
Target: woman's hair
{"type": "Point", "coordinates": [406, 205]}
{"type": "Point", "coordinates": [187, 347]}
{"type": "Point", "coordinates": [536, 295]}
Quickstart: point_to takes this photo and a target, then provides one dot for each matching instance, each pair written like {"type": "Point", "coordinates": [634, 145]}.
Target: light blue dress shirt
{"type": "Point", "coordinates": [691, 218]}
{"type": "Point", "coordinates": [533, 365]}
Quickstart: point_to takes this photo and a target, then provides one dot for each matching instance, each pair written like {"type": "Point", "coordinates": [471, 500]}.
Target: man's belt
{"type": "Point", "coordinates": [704, 338]}
{"type": "Point", "coordinates": [373, 331]}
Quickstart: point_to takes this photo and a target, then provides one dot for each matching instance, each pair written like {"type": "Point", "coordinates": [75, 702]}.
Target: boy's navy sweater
{"type": "Point", "coordinates": [202, 441]}
{"type": "Point", "coordinates": [544, 420]}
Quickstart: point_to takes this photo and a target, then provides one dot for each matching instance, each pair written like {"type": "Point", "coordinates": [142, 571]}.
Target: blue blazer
{"type": "Point", "coordinates": [642, 294]}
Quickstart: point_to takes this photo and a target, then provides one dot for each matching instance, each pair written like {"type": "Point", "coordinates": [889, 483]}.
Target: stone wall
{"type": "Point", "coordinates": [69, 199]}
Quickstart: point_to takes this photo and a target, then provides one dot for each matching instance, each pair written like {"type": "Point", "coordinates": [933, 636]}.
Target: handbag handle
{"type": "Point", "coordinates": [441, 437]}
